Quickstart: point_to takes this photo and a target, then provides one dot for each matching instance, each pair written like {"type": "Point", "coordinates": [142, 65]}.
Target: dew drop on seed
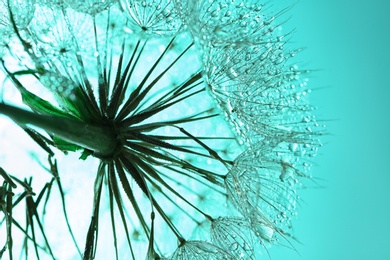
{"type": "Point", "coordinates": [232, 74]}
{"type": "Point", "coordinates": [293, 147]}
{"type": "Point", "coordinates": [234, 246]}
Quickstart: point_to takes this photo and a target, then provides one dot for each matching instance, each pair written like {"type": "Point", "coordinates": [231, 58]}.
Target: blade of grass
{"type": "Point", "coordinates": [174, 92]}
{"type": "Point", "coordinates": [129, 166]}
{"type": "Point", "coordinates": [47, 187]}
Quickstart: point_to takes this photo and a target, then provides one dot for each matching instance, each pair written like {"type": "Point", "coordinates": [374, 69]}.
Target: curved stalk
{"type": "Point", "coordinates": [102, 140]}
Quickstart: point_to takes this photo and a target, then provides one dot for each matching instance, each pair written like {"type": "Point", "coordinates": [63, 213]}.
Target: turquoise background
{"type": "Point", "coordinates": [348, 42]}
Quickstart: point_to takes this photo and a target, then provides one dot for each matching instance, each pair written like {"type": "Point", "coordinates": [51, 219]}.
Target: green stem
{"type": "Point", "coordinates": [100, 139]}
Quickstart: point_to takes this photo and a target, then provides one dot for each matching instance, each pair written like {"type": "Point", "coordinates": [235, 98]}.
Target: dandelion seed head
{"type": "Point", "coordinates": [60, 39]}
{"type": "Point", "coordinates": [91, 7]}
{"type": "Point", "coordinates": [260, 97]}
{"type": "Point", "coordinates": [152, 17]}
{"type": "Point", "coordinates": [22, 11]}
{"type": "Point", "coordinates": [197, 118]}
{"type": "Point", "coordinates": [222, 22]}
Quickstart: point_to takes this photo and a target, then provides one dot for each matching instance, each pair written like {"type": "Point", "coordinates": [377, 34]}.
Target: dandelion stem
{"type": "Point", "coordinates": [99, 139]}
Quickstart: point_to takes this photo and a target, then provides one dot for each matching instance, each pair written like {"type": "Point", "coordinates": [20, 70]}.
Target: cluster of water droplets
{"type": "Point", "coordinates": [221, 22]}
{"type": "Point", "coordinates": [250, 72]}
{"type": "Point", "coordinates": [263, 93]}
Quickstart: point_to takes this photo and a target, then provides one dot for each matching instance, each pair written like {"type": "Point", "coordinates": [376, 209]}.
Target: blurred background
{"type": "Point", "coordinates": [347, 42]}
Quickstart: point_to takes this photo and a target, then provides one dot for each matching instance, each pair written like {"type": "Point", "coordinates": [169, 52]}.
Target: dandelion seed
{"type": "Point", "coordinates": [258, 191]}
{"type": "Point", "coordinates": [200, 250]}
{"type": "Point", "coordinates": [235, 235]}
{"type": "Point", "coordinates": [153, 17]}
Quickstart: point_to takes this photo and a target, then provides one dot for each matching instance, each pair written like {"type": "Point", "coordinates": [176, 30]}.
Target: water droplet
{"type": "Point", "coordinates": [214, 13]}
{"type": "Point", "coordinates": [232, 74]}
{"type": "Point", "coordinates": [166, 12]}
{"type": "Point", "coordinates": [293, 147]}
{"type": "Point", "coordinates": [234, 246]}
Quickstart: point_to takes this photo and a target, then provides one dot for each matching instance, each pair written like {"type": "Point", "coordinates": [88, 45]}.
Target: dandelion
{"type": "Point", "coordinates": [193, 112]}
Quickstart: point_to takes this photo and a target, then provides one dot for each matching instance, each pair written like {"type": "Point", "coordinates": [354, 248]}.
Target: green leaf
{"type": "Point", "coordinates": [85, 154]}
{"type": "Point", "coordinates": [40, 105]}
{"type": "Point", "coordinates": [33, 101]}
{"type": "Point", "coordinates": [69, 95]}
{"type": "Point", "coordinates": [65, 146]}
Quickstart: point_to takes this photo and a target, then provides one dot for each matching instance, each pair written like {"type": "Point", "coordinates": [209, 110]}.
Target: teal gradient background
{"type": "Point", "coordinates": [348, 217]}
